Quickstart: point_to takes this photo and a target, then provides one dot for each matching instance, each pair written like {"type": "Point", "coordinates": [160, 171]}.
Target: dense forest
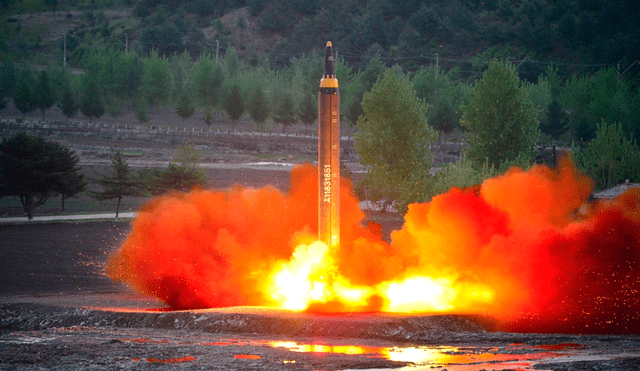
{"type": "Point", "coordinates": [575, 34]}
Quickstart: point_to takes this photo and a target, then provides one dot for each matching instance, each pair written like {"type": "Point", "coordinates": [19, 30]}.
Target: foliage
{"type": "Point", "coordinates": [393, 139]}
{"type": "Point", "coordinates": [23, 95]}
{"type": "Point", "coordinates": [173, 178]}
{"type": "Point", "coordinates": [285, 111]}
{"type": "Point", "coordinates": [35, 170]}
{"type": "Point", "coordinates": [442, 95]}
{"type": "Point", "coordinates": [258, 108]}
{"type": "Point", "coordinates": [205, 79]}
{"type": "Point", "coordinates": [590, 99]}
{"type": "Point", "coordinates": [91, 102]}
{"type": "Point", "coordinates": [156, 80]}
{"type": "Point", "coordinates": [45, 96]}
{"type": "Point", "coordinates": [610, 158]}
{"type": "Point", "coordinates": [121, 183]}
{"type": "Point", "coordinates": [461, 174]}
{"type": "Point", "coordinates": [500, 118]}
{"type": "Point", "coordinates": [308, 109]}
{"type": "Point", "coordinates": [183, 176]}
{"type": "Point", "coordinates": [234, 105]}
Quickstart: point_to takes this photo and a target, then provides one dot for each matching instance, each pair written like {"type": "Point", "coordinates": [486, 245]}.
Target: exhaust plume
{"type": "Point", "coordinates": [527, 247]}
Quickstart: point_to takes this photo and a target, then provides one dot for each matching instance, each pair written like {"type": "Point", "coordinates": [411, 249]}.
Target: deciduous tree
{"type": "Point", "coordinates": [500, 118]}
{"type": "Point", "coordinates": [610, 157]}
{"type": "Point", "coordinates": [393, 139]}
{"type": "Point", "coordinates": [234, 105]}
{"type": "Point", "coordinates": [45, 96]}
{"type": "Point", "coordinates": [258, 107]}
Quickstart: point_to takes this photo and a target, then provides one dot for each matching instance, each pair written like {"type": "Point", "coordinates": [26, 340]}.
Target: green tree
{"type": "Point", "coordinates": [156, 80]}
{"type": "Point", "coordinates": [363, 82]}
{"type": "Point", "coordinates": [556, 122]}
{"type": "Point", "coordinates": [308, 110]}
{"type": "Point", "coordinates": [234, 105]}
{"type": "Point", "coordinates": [285, 111]}
{"type": "Point", "coordinates": [206, 79]}
{"type": "Point", "coordinates": [258, 108]}
{"type": "Point", "coordinates": [500, 118]}
{"type": "Point", "coordinates": [121, 183]}
{"type": "Point", "coordinates": [45, 96]}
{"type": "Point", "coordinates": [590, 99]}
{"type": "Point", "coordinates": [34, 170]}
{"type": "Point", "coordinates": [182, 175]}
{"type": "Point", "coordinates": [442, 95]}
{"type": "Point", "coordinates": [393, 139]}
{"type": "Point", "coordinates": [609, 158]}
{"type": "Point", "coordinates": [23, 95]}
{"type": "Point", "coordinates": [184, 105]}
{"type": "Point", "coordinates": [174, 178]}
{"type": "Point", "coordinates": [7, 79]}
{"type": "Point", "coordinates": [68, 103]}
{"type": "Point", "coordinates": [91, 103]}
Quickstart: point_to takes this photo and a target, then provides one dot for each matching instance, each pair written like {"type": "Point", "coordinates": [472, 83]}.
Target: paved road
{"type": "Point", "coordinates": [62, 218]}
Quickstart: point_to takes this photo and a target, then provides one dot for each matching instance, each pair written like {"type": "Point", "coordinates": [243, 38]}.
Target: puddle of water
{"type": "Point", "coordinates": [247, 356]}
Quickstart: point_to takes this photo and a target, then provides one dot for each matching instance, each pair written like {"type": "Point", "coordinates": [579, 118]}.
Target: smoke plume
{"type": "Point", "coordinates": [527, 247]}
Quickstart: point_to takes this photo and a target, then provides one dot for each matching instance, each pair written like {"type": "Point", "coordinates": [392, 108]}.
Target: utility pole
{"type": "Point", "coordinates": [64, 58]}
{"type": "Point", "coordinates": [126, 43]}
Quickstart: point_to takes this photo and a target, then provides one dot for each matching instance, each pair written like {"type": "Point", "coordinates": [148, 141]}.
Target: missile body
{"type": "Point", "coordinates": [329, 154]}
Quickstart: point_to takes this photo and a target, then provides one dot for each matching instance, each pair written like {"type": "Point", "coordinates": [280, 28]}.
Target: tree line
{"type": "Point", "coordinates": [568, 109]}
{"type": "Point", "coordinates": [503, 129]}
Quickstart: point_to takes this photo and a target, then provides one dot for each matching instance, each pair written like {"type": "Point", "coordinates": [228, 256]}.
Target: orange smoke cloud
{"type": "Point", "coordinates": [527, 247]}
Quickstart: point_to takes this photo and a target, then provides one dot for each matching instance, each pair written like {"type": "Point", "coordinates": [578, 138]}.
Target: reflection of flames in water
{"type": "Point", "coordinates": [526, 247]}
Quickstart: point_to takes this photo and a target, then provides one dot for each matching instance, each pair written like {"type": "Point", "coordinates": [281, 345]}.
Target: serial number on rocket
{"type": "Point", "coordinates": [327, 183]}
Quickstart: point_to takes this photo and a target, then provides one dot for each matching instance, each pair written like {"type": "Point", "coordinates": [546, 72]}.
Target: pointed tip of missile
{"type": "Point", "coordinates": [328, 61]}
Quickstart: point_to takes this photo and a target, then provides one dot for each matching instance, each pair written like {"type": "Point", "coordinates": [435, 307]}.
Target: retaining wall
{"type": "Point", "coordinates": [259, 142]}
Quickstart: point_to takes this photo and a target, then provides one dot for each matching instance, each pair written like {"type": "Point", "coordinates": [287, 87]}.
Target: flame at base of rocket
{"type": "Point", "coordinates": [329, 154]}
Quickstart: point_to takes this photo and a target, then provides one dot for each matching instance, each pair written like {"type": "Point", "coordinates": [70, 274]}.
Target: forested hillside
{"type": "Point", "coordinates": [577, 34]}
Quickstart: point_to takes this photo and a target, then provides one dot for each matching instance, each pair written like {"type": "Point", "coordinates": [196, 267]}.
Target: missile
{"type": "Point", "coordinates": [329, 154]}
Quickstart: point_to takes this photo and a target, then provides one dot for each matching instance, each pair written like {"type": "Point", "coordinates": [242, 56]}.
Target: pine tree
{"type": "Point", "coordinates": [122, 182]}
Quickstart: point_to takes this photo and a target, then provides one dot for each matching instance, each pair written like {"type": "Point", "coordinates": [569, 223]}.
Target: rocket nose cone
{"type": "Point", "coordinates": [328, 60]}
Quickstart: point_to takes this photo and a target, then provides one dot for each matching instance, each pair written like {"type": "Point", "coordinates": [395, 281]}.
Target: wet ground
{"type": "Point", "coordinates": [59, 311]}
